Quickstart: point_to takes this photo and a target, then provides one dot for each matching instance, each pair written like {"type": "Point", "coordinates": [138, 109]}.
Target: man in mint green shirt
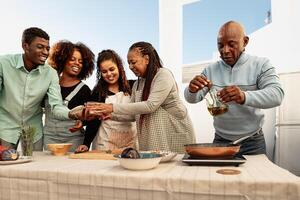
{"type": "Point", "coordinates": [25, 79]}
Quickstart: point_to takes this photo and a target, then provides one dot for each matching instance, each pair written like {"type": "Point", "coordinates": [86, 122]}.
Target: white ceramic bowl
{"type": "Point", "coordinates": [59, 149]}
{"type": "Point", "coordinates": [147, 161]}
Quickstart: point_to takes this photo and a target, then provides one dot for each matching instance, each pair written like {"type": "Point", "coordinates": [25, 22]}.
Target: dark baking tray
{"type": "Point", "coordinates": [235, 161]}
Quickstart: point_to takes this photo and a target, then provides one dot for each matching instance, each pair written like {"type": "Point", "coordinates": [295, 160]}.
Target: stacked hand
{"type": "Point", "coordinates": [92, 110]}
{"type": "Point", "coordinates": [98, 110]}
{"type": "Point", "coordinates": [77, 113]}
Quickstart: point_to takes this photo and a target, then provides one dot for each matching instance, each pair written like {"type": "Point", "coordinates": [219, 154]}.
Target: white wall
{"type": "Point", "coordinates": [170, 36]}
{"type": "Point", "coordinates": [170, 41]}
{"type": "Point", "coordinates": [278, 41]}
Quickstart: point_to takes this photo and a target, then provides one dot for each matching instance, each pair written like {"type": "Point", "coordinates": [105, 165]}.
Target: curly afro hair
{"type": "Point", "coordinates": [63, 50]}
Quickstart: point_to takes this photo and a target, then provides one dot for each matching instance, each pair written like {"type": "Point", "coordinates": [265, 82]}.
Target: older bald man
{"type": "Point", "coordinates": [246, 83]}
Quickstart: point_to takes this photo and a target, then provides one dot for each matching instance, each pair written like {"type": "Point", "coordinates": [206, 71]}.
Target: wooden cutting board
{"type": "Point", "coordinates": [95, 154]}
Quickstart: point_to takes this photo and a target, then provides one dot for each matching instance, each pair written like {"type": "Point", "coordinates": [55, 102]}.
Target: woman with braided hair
{"type": "Point", "coordinates": [162, 119]}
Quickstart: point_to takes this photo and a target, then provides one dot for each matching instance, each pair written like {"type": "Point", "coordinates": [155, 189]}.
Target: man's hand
{"type": "Point", "coordinates": [232, 93]}
{"type": "Point", "coordinates": [77, 113]}
{"type": "Point", "coordinates": [198, 83]}
{"type": "Point", "coordinates": [77, 126]}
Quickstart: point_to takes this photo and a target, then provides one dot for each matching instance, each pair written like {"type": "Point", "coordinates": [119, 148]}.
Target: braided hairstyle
{"type": "Point", "coordinates": [102, 86]}
{"type": "Point", "coordinates": [154, 64]}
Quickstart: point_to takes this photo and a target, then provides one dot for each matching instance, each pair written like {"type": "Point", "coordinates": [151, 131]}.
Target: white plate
{"type": "Point", "coordinates": [167, 156]}
{"type": "Point", "coordinates": [20, 160]}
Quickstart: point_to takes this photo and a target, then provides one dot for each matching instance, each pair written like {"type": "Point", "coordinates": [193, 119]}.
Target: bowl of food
{"type": "Point", "coordinates": [59, 149]}
{"type": "Point", "coordinates": [133, 160]}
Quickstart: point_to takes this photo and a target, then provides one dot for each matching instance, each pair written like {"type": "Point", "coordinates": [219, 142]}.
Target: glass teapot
{"type": "Point", "coordinates": [214, 105]}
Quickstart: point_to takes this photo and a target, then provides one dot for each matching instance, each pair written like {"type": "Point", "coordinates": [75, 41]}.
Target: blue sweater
{"type": "Point", "coordinates": [258, 79]}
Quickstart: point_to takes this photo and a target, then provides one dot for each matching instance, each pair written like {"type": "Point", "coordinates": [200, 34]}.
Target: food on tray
{"type": "Point", "coordinates": [7, 154]}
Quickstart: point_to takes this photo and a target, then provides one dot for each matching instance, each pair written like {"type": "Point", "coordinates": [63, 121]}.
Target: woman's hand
{"type": "Point", "coordinates": [96, 109]}
{"type": "Point", "coordinates": [105, 116]}
{"type": "Point", "coordinates": [81, 148]}
{"type": "Point", "coordinates": [77, 126]}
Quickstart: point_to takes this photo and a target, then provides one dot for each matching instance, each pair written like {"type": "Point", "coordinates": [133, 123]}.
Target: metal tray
{"type": "Point", "coordinates": [235, 161]}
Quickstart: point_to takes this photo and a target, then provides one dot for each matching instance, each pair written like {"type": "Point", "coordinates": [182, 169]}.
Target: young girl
{"type": "Point", "coordinates": [112, 87]}
{"type": "Point", "coordinates": [162, 119]}
{"type": "Point", "coordinates": [73, 62]}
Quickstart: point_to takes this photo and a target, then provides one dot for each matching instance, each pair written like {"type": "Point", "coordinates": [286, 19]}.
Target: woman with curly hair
{"type": "Point", "coordinates": [112, 87]}
{"type": "Point", "coordinates": [74, 63]}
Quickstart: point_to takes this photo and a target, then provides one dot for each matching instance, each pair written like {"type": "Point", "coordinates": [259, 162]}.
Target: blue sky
{"type": "Point", "coordinates": [201, 22]}
{"type": "Point", "coordinates": [117, 24]}
{"type": "Point", "coordinates": [100, 24]}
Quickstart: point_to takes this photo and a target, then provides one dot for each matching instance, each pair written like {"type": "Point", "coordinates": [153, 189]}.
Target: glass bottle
{"type": "Point", "coordinates": [214, 105]}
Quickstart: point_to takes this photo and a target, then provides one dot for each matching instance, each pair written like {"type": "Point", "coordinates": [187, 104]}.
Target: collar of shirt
{"type": "Point", "coordinates": [20, 64]}
{"type": "Point", "coordinates": [242, 59]}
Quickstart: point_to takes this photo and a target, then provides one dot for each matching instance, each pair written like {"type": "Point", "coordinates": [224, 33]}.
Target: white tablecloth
{"type": "Point", "coordinates": [60, 178]}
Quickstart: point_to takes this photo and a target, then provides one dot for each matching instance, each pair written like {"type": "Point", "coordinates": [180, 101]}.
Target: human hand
{"type": "Point", "coordinates": [90, 112]}
{"type": "Point", "coordinates": [96, 109]}
{"type": "Point", "coordinates": [77, 126]}
{"type": "Point", "coordinates": [77, 113]}
{"type": "Point", "coordinates": [232, 93]}
{"type": "Point", "coordinates": [198, 83]}
{"type": "Point", "coordinates": [105, 116]}
{"type": "Point", "coordinates": [81, 148]}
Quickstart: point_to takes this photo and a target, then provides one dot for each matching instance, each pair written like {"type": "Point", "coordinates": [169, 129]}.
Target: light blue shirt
{"type": "Point", "coordinates": [258, 79]}
{"type": "Point", "coordinates": [21, 95]}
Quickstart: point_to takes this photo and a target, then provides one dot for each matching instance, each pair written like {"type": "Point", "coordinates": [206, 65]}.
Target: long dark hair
{"type": "Point", "coordinates": [102, 86]}
{"type": "Point", "coordinates": [154, 64]}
